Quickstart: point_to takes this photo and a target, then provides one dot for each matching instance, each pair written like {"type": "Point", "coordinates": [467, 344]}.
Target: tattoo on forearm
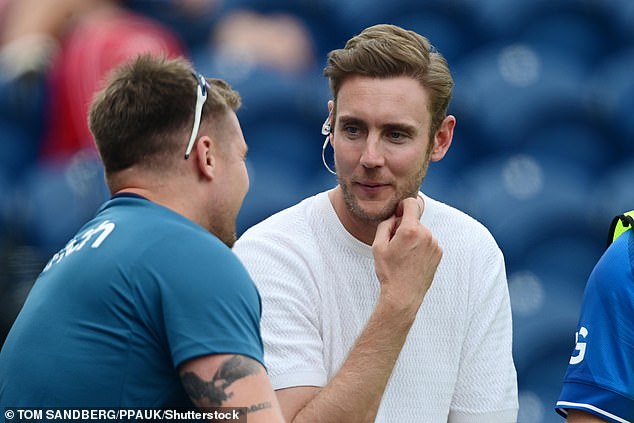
{"type": "Point", "coordinates": [215, 390]}
{"type": "Point", "coordinates": [257, 407]}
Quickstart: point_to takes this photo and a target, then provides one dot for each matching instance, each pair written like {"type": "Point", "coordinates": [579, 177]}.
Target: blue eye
{"type": "Point", "coordinates": [397, 137]}
{"type": "Point", "coordinates": [352, 130]}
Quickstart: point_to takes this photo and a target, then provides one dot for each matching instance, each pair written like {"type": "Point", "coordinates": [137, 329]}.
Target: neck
{"type": "Point", "coordinates": [166, 191]}
{"type": "Point", "coordinates": [363, 230]}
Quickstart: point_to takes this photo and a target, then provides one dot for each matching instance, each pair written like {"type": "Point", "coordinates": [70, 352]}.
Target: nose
{"type": "Point", "coordinates": [372, 154]}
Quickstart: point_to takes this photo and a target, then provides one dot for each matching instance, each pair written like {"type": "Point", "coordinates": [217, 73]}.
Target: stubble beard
{"type": "Point", "coordinates": [410, 189]}
{"type": "Point", "coordinates": [230, 240]}
{"type": "Point", "coordinates": [223, 227]}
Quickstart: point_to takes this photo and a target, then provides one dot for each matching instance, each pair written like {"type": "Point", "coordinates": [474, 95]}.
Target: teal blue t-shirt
{"type": "Point", "coordinates": [138, 291]}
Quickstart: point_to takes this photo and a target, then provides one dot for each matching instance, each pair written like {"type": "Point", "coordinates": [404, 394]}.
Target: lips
{"type": "Point", "coordinates": [371, 187]}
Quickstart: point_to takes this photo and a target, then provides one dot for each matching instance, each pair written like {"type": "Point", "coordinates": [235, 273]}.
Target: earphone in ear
{"type": "Point", "coordinates": [325, 128]}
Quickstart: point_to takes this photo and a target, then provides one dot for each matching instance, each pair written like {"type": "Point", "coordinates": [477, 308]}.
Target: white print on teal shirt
{"type": "Point", "coordinates": [101, 232]}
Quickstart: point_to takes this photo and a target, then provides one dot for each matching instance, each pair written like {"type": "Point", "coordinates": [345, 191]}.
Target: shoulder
{"type": "Point", "coordinates": [285, 230]}
{"type": "Point", "coordinates": [281, 253]}
{"type": "Point", "coordinates": [613, 272]}
{"type": "Point", "coordinates": [161, 245]}
{"type": "Point", "coordinates": [450, 224]}
{"type": "Point", "coordinates": [441, 212]}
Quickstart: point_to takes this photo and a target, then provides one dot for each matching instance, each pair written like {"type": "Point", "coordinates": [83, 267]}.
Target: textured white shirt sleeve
{"type": "Point", "coordinates": [472, 275]}
{"type": "Point", "coordinates": [486, 380]}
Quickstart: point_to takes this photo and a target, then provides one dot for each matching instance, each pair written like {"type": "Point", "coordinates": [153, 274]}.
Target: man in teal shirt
{"type": "Point", "coordinates": [147, 306]}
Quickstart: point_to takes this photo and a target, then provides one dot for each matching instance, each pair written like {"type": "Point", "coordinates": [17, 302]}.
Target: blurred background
{"type": "Point", "coordinates": [541, 153]}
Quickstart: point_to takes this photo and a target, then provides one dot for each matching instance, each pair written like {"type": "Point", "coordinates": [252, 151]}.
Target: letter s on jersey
{"type": "Point", "coordinates": [580, 338]}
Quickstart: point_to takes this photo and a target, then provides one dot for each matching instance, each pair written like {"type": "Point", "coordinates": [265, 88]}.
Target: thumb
{"type": "Point", "coordinates": [421, 203]}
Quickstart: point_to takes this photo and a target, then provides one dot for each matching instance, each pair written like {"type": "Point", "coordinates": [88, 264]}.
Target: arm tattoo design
{"type": "Point", "coordinates": [215, 390]}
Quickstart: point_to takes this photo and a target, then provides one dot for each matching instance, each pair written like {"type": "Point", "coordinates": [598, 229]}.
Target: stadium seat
{"type": "Point", "coordinates": [611, 94]}
{"type": "Point", "coordinates": [577, 35]}
{"type": "Point", "coordinates": [524, 200]}
{"type": "Point", "coordinates": [545, 314]}
{"type": "Point", "coordinates": [577, 140]}
{"type": "Point", "coordinates": [6, 202]}
{"type": "Point", "coordinates": [451, 34]}
{"type": "Point", "coordinates": [21, 124]}
{"type": "Point", "coordinates": [192, 24]}
{"type": "Point", "coordinates": [18, 150]}
{"type": "Point", "coordinates": [612, 194]}
{"type": "Point", "coordinates": [440, 182]}
{"type": "Point", "coordinates": [57, 197]}
{"type": "Point", "coordinates": [272, 188]}
{"type": "Point", "coordinates": [508, 89]}
{"type": "Point", "coordinates": [284, 144]}
{"type": "Point", "coordinates": [269, 94]}
{"type": "Point", "coordinates": [501, 19]}
{"type": "Point", "coordinates": [617, 16]}
{"type": "Point", "coordinates": [570, 254]}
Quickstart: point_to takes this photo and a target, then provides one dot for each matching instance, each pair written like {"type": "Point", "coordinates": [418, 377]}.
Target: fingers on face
{"type": "Point", "coordinates": [412, 208]}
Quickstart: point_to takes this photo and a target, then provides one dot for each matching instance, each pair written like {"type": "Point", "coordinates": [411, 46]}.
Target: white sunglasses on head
{"type": "Point", "coordinates": [201, 97]}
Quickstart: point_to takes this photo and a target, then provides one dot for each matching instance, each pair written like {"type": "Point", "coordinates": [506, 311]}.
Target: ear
{"type": "Point", "coordinates": [205, 157]}
{"type": "Point", "coordinates": [443, 138]}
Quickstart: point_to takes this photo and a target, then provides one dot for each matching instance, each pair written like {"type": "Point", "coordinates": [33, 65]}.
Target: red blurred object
{"type": "Point", "coordinates": [93, 47]}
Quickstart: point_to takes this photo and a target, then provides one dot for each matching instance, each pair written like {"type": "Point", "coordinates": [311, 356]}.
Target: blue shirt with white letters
{"type": "Point", "coordinates": [600, 376]}
{"type": "Point", "coordinates": [138, 291]}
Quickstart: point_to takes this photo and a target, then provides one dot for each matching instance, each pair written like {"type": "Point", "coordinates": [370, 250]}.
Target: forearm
{"type": "Point", "coordinates": [355, 393]}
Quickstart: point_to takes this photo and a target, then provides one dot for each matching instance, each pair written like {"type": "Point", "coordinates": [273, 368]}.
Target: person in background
{"type": "Point", "coordinates": [54, 56]}
{"type": "Point", "coordinates": [73, 44]}
{"type": "Point", "coordinates": [147, 306]}
{"type": "Point", "coordinates": [379, 302]}
{"type": "Point", "coordinates": [599, 383]}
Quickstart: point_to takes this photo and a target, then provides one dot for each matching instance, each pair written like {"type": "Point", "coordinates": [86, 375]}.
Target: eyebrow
{"type": "Point", "coordinates": [349, 120]}
{"type": "Point", "coordinates": [397, 126]}
{"type": "Point", "coordinates": [402, 127]}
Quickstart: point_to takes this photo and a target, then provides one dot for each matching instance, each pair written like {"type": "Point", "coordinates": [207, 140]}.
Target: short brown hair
{"type": "Point", "coordinates": [145, 113]}
{"type": "Point", "coordinates": [384, 51]}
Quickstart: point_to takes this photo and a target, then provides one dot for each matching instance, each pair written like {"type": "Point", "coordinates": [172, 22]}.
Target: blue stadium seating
{"type": "Point", "coordinates": [57, 197]}
{"type": "Point", "coordinates": [613, 192]}
{"type": "Point", "coordinates": [280, 143]}
{"type": "Point", "coordinates": [575, 35]}
{"type": "Point", "coordinates": [576, 141]}
{"type": "Point", "coordinates": [500, 19]}
{"type": "Point", "coordinates": [524, 200]}
{"type": "Point", "coordinates": [510, 88]}
{"type": "Point", "coordinates": [450, 33]}
{"type": "Point", "coordinates": [271, 188]}
{"type": "Point", "coordinates": [611, 94]}
{"type": "Point", "coordinates": [545, 308]}
{"type": "Point", "coordinates": [617, 17]}
{"type": "Point", "coordinates": [18, 152]}
{"type": "Point", "coordinates": [542, 152]}
{"type": "Point", "coordinates": [21, 123]}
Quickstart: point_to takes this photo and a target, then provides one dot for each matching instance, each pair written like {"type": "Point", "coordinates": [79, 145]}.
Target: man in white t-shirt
{"type": "Point", "coordinates": [353, 327]}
